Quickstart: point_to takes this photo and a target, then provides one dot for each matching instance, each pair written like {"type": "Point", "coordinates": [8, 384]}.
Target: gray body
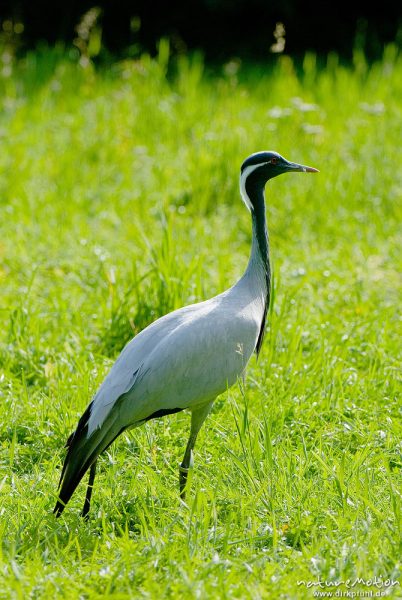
{"type": "Point", "coordinates": [186, 358]}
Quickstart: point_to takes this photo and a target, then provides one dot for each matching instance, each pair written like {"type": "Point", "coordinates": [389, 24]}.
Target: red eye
{"type": "Point", "coordinates": [274, 161]}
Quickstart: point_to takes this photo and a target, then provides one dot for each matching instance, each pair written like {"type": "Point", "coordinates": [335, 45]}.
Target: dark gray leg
{"type": "Point", "coordinates": [198, 416]}
{"type": "Point", "coordinates": [87, 503]}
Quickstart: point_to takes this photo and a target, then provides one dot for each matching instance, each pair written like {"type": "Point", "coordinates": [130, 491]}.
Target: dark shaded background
{"type": "Point", "coordinates": [221, 28]}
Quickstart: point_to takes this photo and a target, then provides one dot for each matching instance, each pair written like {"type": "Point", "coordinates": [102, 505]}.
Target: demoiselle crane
{"type": "Point", "coordinates": [185, 359]}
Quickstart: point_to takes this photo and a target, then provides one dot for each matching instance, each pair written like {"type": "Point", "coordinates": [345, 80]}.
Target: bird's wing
{"type": "Point", "coordinates": [186, 357]}
{"type": "Point", "coordinates": [129, 367]}
{"type": "Point", "coordinates": [195, 362]}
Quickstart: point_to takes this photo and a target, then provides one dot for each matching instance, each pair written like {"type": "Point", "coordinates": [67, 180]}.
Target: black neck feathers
{"type": "Point", "coordinates": [255, 193]}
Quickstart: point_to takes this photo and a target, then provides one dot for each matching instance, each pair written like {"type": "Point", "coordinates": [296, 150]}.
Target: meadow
{"type": "Point", "coordinates": [119, 202]}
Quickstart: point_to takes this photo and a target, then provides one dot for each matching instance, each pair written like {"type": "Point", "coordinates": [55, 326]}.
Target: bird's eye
{"type": "Point", "coordinates": [274, 161]}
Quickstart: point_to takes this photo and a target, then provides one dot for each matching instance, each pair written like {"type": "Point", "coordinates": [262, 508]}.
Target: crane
{"type": "Point", "coordinates": [185, 359]}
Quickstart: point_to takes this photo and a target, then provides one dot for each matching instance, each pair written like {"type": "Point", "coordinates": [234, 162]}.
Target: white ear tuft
{"type": "Point", "coordinates": [243, 178]}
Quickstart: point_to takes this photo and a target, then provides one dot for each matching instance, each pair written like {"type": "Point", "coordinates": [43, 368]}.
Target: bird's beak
{"type": "Point", "coordinates": [302, 168]}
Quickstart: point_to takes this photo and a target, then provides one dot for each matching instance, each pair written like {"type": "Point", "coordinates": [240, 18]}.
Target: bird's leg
{"type": "Point", "coordinates": [87, 503]}
{"type": "Point", "coordinates": [198, 416]}
{"type": "Point", "coordinates": [186, 465]}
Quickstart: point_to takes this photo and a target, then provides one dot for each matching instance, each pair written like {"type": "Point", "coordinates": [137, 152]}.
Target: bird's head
{"type": "Point", "coordinates": [258, 168]}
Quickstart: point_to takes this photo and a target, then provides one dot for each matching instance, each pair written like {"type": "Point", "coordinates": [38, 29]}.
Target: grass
{"type": "Point", "coordinates": [119, 202]}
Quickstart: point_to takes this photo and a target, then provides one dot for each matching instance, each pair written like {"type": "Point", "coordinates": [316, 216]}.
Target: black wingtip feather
{"type": "Point", "coordinates": [65, 492]}
{"type": "Point", "coordinates": [82, 453]}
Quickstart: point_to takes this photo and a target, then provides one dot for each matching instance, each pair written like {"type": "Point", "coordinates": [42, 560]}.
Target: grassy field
{"type": "Point", "coordinates": [119, 202]}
